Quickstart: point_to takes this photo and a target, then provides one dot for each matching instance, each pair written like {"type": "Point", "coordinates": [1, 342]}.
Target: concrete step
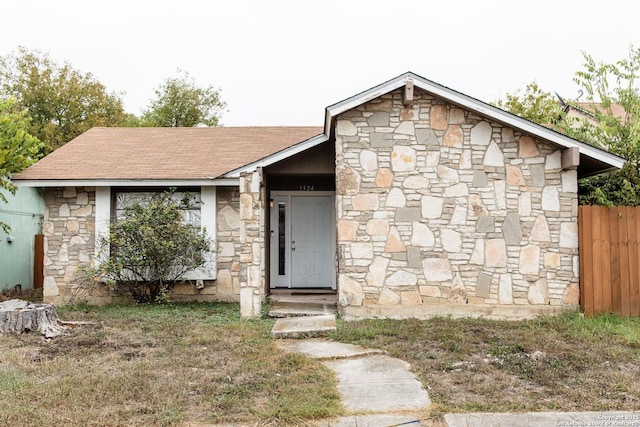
{"type": "Point", "coordinates": [304, 326]}
{"type": "Point", "coordinates": [300, 308]}
{"type": "Point", "coordinates": [322, 349]}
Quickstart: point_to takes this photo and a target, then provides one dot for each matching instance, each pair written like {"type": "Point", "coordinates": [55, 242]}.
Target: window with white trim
{"type": "Point", "coordinates": [110, 203]}
{"type": "Point", "coordinates": [192, 212]}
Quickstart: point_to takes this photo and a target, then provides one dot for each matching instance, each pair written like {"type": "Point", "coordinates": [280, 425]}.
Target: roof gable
{"type": "Point", "coordinates": [593, 160]}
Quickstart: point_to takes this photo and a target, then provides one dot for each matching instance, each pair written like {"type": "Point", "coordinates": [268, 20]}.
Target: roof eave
{"type": "Point", "coordinates": [278, 156]}
{"type": "Point", "coordinates": [596, 172]}
{"type": "Point", "coordinates": [200, 182]}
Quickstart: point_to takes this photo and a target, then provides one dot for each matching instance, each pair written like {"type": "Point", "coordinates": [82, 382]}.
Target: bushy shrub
{"type": "Point", "coordinates": [150, 249]}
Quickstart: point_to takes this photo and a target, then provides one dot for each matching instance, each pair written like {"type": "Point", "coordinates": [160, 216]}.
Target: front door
{"type": "Point", "coordinates": [302, 241]}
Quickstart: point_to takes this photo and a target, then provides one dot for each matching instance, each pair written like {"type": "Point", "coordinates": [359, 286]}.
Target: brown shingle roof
{"type": "Point", "coordinates": [163, 153]}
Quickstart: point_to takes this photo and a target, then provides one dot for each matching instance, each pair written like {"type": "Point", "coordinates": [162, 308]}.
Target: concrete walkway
{"type": "Point", "coordinates": [378, 390]}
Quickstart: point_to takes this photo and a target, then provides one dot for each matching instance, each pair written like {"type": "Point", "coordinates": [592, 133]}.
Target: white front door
{"type": "Point", "coordinates": [302, 241]}
{"type": "Point", "coordinates": [311, 258]}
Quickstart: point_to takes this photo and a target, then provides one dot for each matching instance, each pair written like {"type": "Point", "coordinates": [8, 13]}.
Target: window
{"type": "Point", "coordinates": [110, 203]}
{"type": "Point", "coordinates": [192, 212]}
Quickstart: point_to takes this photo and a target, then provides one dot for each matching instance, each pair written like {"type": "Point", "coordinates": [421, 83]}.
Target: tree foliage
{"type": "Point", "coordinates": [180, 103]}
{"type": "Point", "coordinates": [18, 149]}
{"type": "Point", "coordinates": [151, 249]}
{"type": "Point", "coordinates": [609, 119]}
{"type": "Point", "coordinates": [608, 85]}
{"type": "Point", "coordinates": [61, 101]}
{"type": "Point", "coordinates": [533, 104]}
{"type": "Point", "coordinates": [612, 123]}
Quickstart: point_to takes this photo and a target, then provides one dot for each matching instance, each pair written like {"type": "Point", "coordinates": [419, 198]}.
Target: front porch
{"type": "Point", "coordinates": [288, 233]}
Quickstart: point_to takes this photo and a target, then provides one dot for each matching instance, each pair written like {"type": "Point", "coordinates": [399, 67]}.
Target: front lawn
{"type": "Point", "coordinates": [160, 365]}
{"type": "Point", "coordinates": [199, 363]}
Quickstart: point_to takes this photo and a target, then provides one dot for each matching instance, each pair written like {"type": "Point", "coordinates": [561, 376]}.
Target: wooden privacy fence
{"type": "Point", "coordinates": [609, 260]}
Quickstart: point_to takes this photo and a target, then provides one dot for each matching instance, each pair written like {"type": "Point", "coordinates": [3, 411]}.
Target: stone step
{"type": "Point", "coordinates": [304, 326]}
{"type": "Point", "coordinates": [299, 308]}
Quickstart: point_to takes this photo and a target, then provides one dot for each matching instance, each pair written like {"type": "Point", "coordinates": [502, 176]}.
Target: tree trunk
{"type": "Point", "coordinates": [17, 316]}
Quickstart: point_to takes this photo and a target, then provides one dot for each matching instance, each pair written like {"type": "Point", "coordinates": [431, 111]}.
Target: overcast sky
{"type": "Point", "coordinates": [282, 62]}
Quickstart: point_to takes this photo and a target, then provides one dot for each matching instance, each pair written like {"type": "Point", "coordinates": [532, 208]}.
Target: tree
{"type": "Point", "coordinates": [133, 121]}
{"type": "Point", "coordinates": [18, 149]}
{"type": "Point", "coordinates": [532, 104]}
{"type": "Point", "coordinates": [608, 86]}
{"type": "Point", "coordinates": [180, 103]}
{"type": "Point", "coordinates": [609, 119]}
{"type": "Point", "coordinates": [611, 122]}
{"type": "Point", "coordinates": [150, 249]}
{"type": "Point", "coordinates": [62, 101]}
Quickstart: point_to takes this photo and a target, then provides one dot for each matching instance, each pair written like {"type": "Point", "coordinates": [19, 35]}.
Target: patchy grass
{"type": "Point", "coordinates": [160, 365]}
{"type": "Point", "coordinates": [200, 363]}
{"type": "Point", "coordinates": [564, 363]}
{"type": "Point", "coordinates": [33, 295]}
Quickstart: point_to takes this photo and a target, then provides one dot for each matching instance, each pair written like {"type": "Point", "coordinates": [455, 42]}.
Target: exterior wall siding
{"type": "Point", "coordinates": [24, 213]}
{"type": "Point", "coordinates": [442, 212]}
{"type": "Point", "coordinates": [69, 230]}
{"type": "Point", "coordinates": [252, 243]}
{"type": "Point", "coordinates": [228, 243]}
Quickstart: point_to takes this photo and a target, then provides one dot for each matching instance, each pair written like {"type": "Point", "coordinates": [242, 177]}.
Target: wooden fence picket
{"type": "Point", "coordinates": [609, 260]}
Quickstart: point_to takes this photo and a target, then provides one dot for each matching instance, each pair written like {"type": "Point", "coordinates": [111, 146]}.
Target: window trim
{"type": "Point", "coordinates": [208, 212]}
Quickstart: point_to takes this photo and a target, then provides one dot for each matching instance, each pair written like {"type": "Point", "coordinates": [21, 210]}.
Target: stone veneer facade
{"type": "Point", "coordinates": [440, 211]}
{"type": "Point", "coordinates": [252, 243]}
{"type": "Point", "coordinates": [228, 243]}
{"type": "Point", "coordinates": [69, 229]}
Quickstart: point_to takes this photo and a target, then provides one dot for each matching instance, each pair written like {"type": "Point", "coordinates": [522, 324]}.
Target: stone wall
{"type": "Point", "coordinates": [68, 227]}
{"type": "Point", "coordinates": [252, 243]}
{"type": "Point", "coordinates": [443, 212]}
{"type": "Point", "coordinates": [228, 243]}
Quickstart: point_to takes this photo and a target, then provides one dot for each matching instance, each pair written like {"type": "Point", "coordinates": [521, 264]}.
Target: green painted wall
{"type": "Point", "coordinates": [23, 214]}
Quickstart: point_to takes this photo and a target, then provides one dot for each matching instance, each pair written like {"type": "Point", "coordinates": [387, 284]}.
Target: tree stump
{"type": "Point", "coordinates": [18, 316]}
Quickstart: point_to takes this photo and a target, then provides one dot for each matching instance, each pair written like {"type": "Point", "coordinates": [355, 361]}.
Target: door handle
{"type": "Point", "coordinates": [293, 245]}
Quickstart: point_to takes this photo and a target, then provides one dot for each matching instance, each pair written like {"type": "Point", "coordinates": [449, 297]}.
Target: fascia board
{"type": "Point", "coordinates": [280, 155]}
{"type": "Point", "coordinates": [363, 97]}
{"type": "Point", "coordinates": [209, 182]}
{"type": "Point", "coordinates": [520, 123]}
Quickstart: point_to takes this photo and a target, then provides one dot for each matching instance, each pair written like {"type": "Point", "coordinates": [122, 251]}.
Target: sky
{"type": "Point", "coordinates": [282, 62]}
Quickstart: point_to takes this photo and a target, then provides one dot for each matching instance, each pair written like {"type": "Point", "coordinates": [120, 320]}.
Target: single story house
{"type": "Point", "coordinates": [413, 200]}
